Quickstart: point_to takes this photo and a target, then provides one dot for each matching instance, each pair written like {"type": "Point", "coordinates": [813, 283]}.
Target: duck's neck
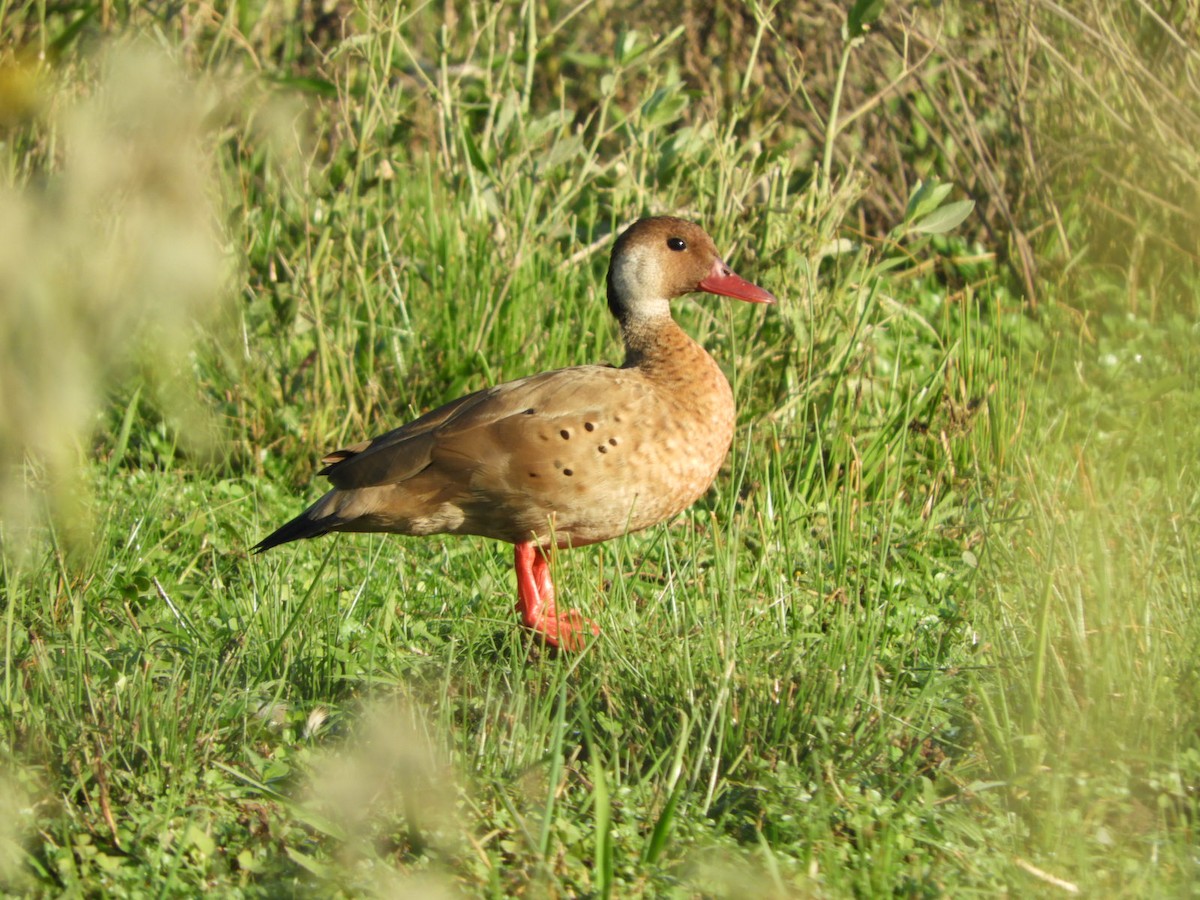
{"type": "Point", "coordinates": [655, 343]}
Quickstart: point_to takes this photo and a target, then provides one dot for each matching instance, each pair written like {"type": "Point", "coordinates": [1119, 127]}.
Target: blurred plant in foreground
{"type": "Point", "coordinates": [109, 253]}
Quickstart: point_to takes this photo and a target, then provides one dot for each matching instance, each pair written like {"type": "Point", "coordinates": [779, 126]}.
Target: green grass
{"type": "Point", "coordinates": [931, 633]}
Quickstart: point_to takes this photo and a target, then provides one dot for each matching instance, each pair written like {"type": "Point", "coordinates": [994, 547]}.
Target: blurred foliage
{"type": "Point", "coordinates": [1111, 95]}
{"type": "Point", "coordinates": [110, 253]}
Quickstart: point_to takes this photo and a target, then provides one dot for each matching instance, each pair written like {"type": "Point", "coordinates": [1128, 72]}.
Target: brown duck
{"type": "Point", "coordinates": [564, 458]}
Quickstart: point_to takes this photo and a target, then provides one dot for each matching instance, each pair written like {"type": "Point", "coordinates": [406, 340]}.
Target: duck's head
{"type": "Point", "coordinates": [655, 260]}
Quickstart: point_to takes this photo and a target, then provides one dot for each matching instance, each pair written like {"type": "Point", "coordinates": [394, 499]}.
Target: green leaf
{"type": "Point", "coordinates": [68, 35]}
{"type": "Point", "coordinates": [604, 842]}
{"type": "Point", "coordinates": [122, 444]}
{"type": "Point", "coordinates": [925, 198]}
{"type": "Point", "coordinates": [862, 16]}
{"type": "Point", "coordinates": [945, 219]}
{"type": "Point", "coordinates": [109, 863]}
{"type": "Point", "coordinates": [627, 47]}
{"type": "Point", "coordinates": [201, 840]}
{"type": "Point", "coordinates": [563, 152]}
{"type": "Point", "coordinates": [308, 862]}
{"type": "Point", "coordinates": [474, 154]}
{"type": "Point", "coordinates": [305, 84]}
{"type": "Point", "coordinates": [662, 827]}
{"type": "Point", "coordinates": [508, 112]}
{"type": "Point", "coordinates": [663, 107]}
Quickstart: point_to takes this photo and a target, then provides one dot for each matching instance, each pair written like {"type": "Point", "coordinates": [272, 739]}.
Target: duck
{"type": "Point", "coordinates": [565, 458]}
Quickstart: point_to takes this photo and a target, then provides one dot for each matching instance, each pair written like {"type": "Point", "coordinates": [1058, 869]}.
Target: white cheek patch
{"type": "Point", "coordinates": [638, 277]}
{"type": "Point", "coordinates": [629, 272]}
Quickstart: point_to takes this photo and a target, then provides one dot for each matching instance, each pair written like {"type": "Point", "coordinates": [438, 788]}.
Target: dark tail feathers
{"type": "Point", "coordinates": [297, 529]}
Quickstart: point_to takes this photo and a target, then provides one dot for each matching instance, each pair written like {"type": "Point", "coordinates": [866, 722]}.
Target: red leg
{"type": "Point", "coordinates": [535, 601]}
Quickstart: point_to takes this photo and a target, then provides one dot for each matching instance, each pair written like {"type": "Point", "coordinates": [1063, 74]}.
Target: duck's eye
{"type": "Point", "coordinates": [677, 244]}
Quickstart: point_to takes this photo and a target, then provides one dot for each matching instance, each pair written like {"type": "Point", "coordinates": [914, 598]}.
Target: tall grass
{"type": "Point", "coordinates": [1094, 721]}
{"type": "Point", "coordinates": [839, 673]}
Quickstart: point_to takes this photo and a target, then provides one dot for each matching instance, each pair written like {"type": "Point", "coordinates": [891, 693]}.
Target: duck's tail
{"type": "Point", "coordinates": [309, 524]}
